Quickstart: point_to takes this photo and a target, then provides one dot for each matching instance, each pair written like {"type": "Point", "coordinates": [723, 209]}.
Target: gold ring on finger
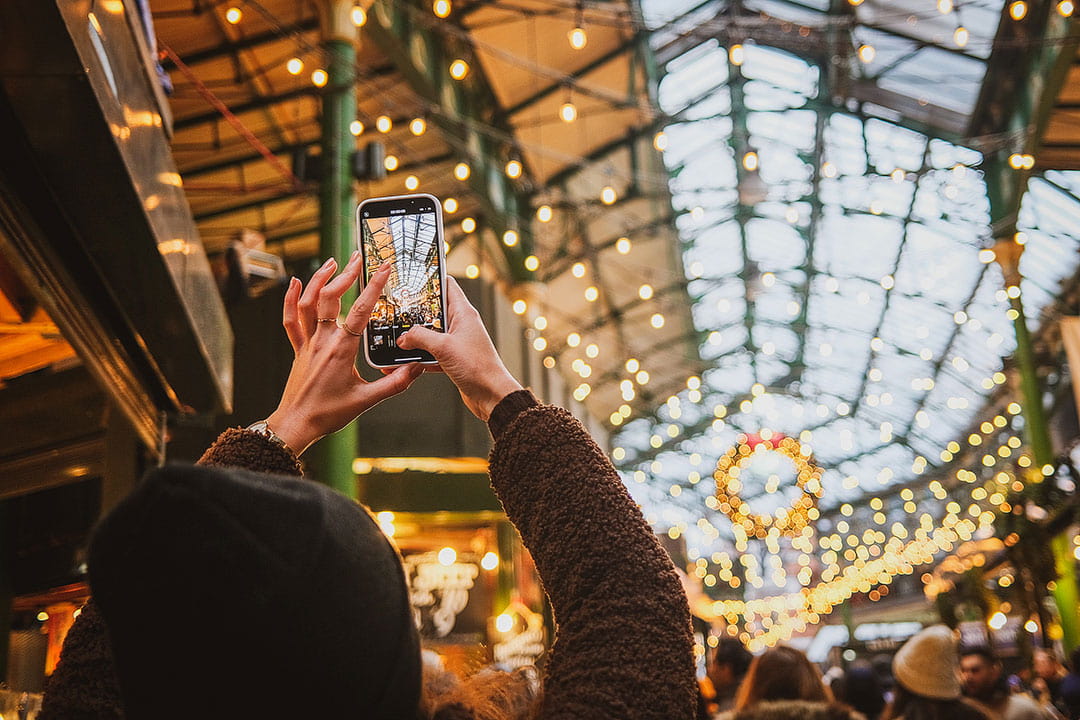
{"type": "Point", "coordinates": [346, 328]}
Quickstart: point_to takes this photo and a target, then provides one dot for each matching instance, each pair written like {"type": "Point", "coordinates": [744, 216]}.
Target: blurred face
{"type": "Point", "coordinates": [1044, 664]}
{"type": "Point", "coordinates": [978, 676]}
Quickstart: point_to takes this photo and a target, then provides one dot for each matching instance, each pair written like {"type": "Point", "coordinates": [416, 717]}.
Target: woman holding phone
{"type": "Point", "coordinates": [221, 592]}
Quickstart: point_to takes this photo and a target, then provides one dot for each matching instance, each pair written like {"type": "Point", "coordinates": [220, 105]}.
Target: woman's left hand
{"type": "Point", "coordinates": [324, 391]}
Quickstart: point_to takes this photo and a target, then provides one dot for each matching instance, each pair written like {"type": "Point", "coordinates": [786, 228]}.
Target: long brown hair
{"type": "Point", "coordinates": [781, 673]}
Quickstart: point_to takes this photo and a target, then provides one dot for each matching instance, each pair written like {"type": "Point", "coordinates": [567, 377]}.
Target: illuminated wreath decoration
{"type": "Point", "coordinates": [787, 520]}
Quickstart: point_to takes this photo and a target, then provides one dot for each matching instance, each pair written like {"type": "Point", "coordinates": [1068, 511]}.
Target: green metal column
{"type": "Point", "coordinates": [1066, 592]}
{"type": "Point", "coordinates": [334, 454]}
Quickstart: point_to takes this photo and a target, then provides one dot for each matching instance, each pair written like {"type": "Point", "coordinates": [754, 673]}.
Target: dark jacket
{"type": "Point", "coordinates": [623, 646]}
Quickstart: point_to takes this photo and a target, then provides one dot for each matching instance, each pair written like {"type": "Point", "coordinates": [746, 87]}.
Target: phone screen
{"type": "Point", "coordinates": [407, 233]}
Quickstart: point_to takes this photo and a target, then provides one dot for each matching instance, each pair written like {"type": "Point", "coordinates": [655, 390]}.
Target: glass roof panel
{"type": "Point", "coordinates": [834, 260]}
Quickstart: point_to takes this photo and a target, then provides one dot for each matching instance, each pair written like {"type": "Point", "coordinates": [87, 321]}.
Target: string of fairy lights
{"type": "Point", "coordinates": [849, 561]}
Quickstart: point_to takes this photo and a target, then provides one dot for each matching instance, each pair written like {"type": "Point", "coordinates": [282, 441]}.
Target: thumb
{"type": "Point", "coordinates": [388, 385]}
{"type": "Point", "coordinates": [421, 338]}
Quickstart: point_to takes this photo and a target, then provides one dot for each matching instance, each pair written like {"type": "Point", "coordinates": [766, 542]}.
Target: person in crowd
{"type": "Point", "coordinates": [782, 684]}
{"type": "Point", "coordinates": [235, 589]}
{"type": "Point", "coordinates": [984, 682]}
{"type": "Point", "coordinates": [1070, 687]}
{"type": "Point", "coordinates": [1046, 684]}
{"type": "Point", "coordinates": [860, 688]}
{"type": "Point", "coordinates": [926, 683]}
{"type": "Point", "coordinates": [725, 669]}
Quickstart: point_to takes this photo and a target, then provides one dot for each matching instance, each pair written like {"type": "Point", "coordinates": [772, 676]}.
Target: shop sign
{"type": "Point", "coordinates": [439, 593]}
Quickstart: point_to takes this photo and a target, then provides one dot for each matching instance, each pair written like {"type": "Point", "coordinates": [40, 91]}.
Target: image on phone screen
{"type": "Point", "coordinates": [410, 242]}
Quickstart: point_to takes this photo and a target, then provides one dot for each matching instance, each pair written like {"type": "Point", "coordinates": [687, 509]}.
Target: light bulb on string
{"type": "Point", "coordinates": [295, 66]}
{"type": "Point", "coordinates": [412, 182]}
{"type": "Point", "coordinates": [356, 128]}
{"type": "Point", "coordinates": [544, 213]}
{"type": "Point", "coordinates": [945, 6]}
{"type": "Point", "coordinates": [961, 36]}
{"type": "Point", "coordinates": [459, 69]}
{"type": "Point", "coordinates": [568, 112]}
{"type": "Point", "coordinates": [359, 16]}
{"type": "Point", "coordinates": [233, 15]}
{"type": "Point", "coordinates": [462, 171]}
{"type": "Point", "coordinates": [577, 36]}
{"type": "Point", "coordinates": [442, 8]}
{"type": "Point", "coordinates": [1066, 8]}
{"type": "Point", "coordinates": [319, 78]}
{"type": "Point", "coordinates": [513, 169]}
{"type": "Point", "coordinates": [1018, 10]}
{"type": "Point", "coordinates": [384, 124]}
{"type": "Point", "coordinates": [867, 53]}
{"type": "Point", "coordinates": [418, 126]}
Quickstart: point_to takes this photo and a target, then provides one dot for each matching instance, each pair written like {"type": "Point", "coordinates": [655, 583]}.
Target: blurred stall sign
{"type": "Point", "coordinates": [973, 634]}
{"type": "Point", "coordinates": [439, 593]}
{"type": "Point", "coordinates": [885, 636]}
{"type": "Point", "coordinates": [1006, 638]}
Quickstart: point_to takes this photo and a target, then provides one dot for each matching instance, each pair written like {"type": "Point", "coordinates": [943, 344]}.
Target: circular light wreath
{"type": "Point", "coordinates": [786, 521]}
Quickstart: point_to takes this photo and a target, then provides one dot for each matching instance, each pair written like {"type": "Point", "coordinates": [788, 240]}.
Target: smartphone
{"type": "Point", "coordinates": [407, 232]}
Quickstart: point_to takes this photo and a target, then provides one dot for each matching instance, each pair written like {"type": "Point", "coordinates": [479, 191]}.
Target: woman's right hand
{"type": "Point", "coordinates": [466, 354]}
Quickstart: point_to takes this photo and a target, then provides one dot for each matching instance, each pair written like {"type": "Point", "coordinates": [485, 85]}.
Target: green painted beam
{"type": "Point", "coordinates": [1027, 72]}
{"type": "Point", "coordinates": [334, 454]}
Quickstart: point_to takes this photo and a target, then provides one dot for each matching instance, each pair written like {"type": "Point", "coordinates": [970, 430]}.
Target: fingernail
{"type": "Point", "coordinates": [354, 257]}
{"type": "Point", "coordinates": [385, 267]}
{"type": "Point", "coordinates": [328, 263]}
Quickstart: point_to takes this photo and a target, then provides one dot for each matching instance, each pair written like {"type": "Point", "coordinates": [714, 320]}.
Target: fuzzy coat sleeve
{"type": "Point", "coordinates": [623, 645]}
{"type": "Point", "coordinates": [83, 685]}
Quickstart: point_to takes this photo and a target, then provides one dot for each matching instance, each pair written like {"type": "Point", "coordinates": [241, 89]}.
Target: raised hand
{"type": "Point", "coordinates": [466, 354]}
{"type": "Point", "coordinates": [324, 391]}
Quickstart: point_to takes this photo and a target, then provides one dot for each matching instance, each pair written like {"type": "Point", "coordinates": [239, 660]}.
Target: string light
{"type": "Point", "coordinates": [623, 246]}
{"type": "Point", "coordinates": [319, 78]}
{"type": "Point", "coordinates": [519, 307]}
{"type": "Point", "coordinates": [359, 16]}
{"type": "Point", "coordinates": [295, 66]}
{"type": "Point", "coordinates": [1066, 8]}
{"type": "Point", "coordinates": [390, 162]}
{"type": "Point", "coordinates": [645, 291]}
{"type": "Point", "coordinates": [462, 171]}
{"type": "Point", "coordinates": [384, 124]}
{"type": "Point", "coordinates": [867, 53]}
{"type": "Point", "coordinates": [543, 213]}
{"type": "Point", "coordinates": [736, 55]}
{"type": "Point", "coordinates": [578, 38]}
{"type": "Point", "coordinates": [418, 126]}
{"type": "Point", "coordinates": [356, 128]}
{"type": "Point", "coordinates": [468, 225]}
{"type": "Point", "coordinates": [608, 196]}
{"type": "Point", "coordinates": [510, 238]}
{"type": "Point", "coordinates": [1018, 10]}
{"type": "Point", "coordinates": [532, 263]}
{"type": "Point", "coordinates": [450, 205]}
{"type": "Point", "coordinates": [441, 8]}
{"type": "Point", "coordinates": [472, 271]}
{"type": "Point", "coordinates": [660, 141]}
{"type": "Point", "coordinates": [459, 69]}
{"type": "Point", "coordinates": [412, 182]}
{"type": "Point", "coordinates": [233, 15]}
{"type": "Point", "coordinates": [750, 161]}
{"type": "Point", "coordinates": [960, 36]}
{"type": "Point", "coordinates": [945, 6]}
{"type": "Point", "coordinates": [513, 169]}
{"type": "Point", "coordinates": [568, 112]}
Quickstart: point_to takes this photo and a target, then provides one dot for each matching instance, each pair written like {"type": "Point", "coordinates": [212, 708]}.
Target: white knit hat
{"type": "Point", "coordinates": [926, 664]}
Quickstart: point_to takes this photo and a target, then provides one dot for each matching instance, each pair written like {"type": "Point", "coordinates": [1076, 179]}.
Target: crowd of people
{"type": "Point", "coordinates": [929, 678]}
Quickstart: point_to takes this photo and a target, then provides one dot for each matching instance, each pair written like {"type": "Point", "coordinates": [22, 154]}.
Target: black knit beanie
{"type": "Point", "coordinates": [232, 594]}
